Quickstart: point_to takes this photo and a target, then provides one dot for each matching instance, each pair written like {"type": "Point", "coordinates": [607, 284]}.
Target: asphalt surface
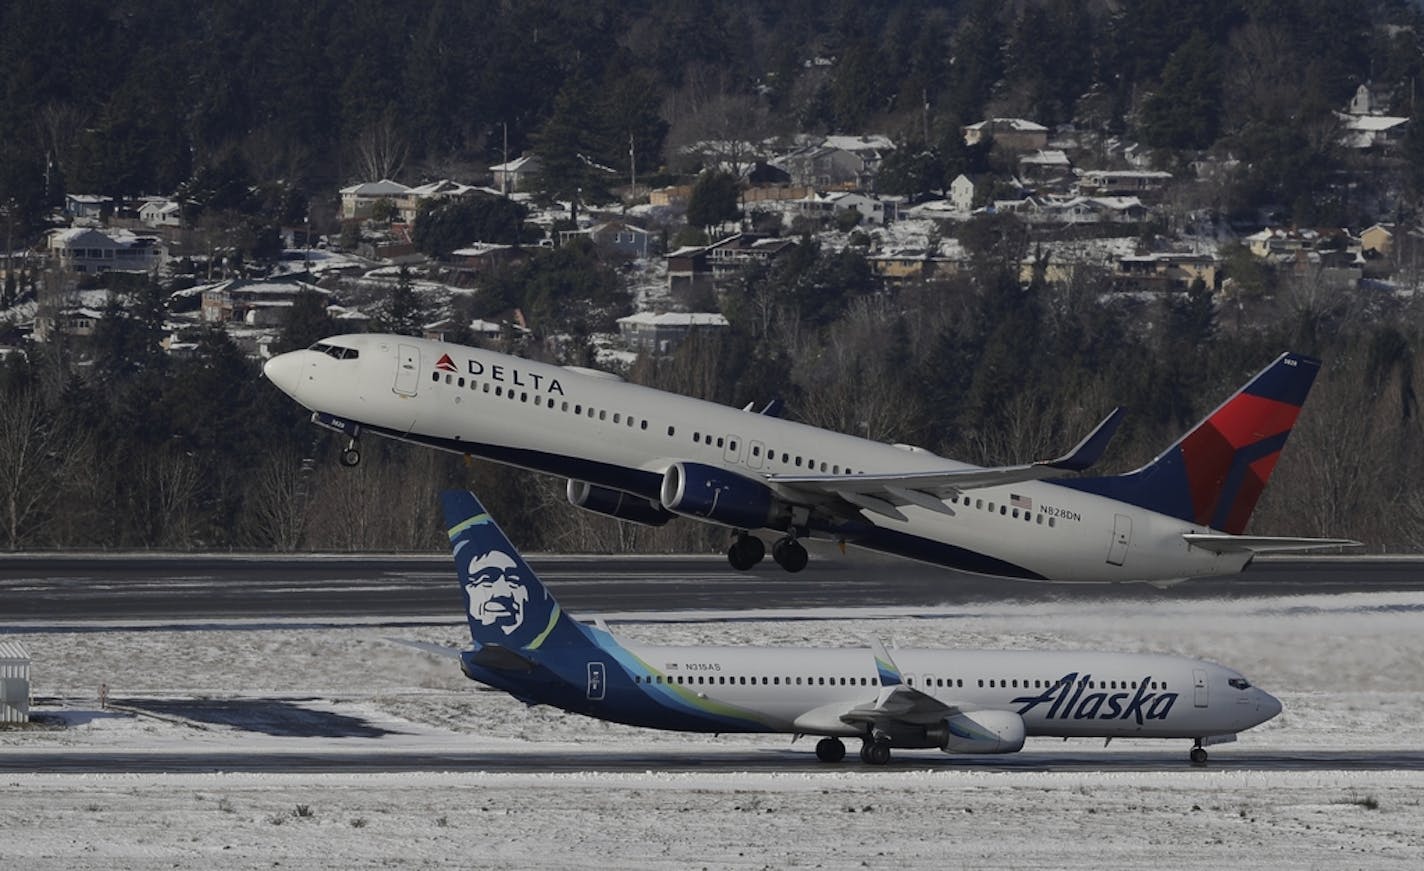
{"type": "Point", "coordinates": [771, 760]}
{"type": "Point", "coordinates": [95, 592]}
{"type": "Point", "coordinates": [59, 588]}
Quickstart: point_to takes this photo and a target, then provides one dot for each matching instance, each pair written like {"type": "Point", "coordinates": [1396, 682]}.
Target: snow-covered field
{"type": "Point", "coordinates": [1345, 667]}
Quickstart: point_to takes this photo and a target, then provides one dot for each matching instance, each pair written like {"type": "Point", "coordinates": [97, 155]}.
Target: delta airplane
{"type": "Point", "coordinates": [960, 701]}
{"type": "Point", "coordinates": [647, 456]}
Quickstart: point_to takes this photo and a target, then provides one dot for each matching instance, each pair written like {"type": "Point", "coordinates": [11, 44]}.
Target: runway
{"type": "Point", "coordinates": [66, 587]}
{"type": "Point", "coordinates": [768, 761]}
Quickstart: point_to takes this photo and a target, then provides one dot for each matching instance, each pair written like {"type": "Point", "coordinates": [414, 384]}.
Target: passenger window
{"type": "Point", "coordinates": [670, 431]}
{"type": "Point", "coordinates": [835, 470]}
{"type": "Point", "coordinates": [498, 391]}
{"type": "Point", "coordinates": [732, 446]}
{"type": "Point", "coordinates": [564, 406]}
{"type": "Point", "coordinates": [1003, 509]}
{"type": "Point", "coordinates": [486, 387]}
{"type": "Point", "coordinates": [798, 462]}
{"type": "Point", "coordinates": [448, 379]}
{"type": "Point", "coordinates": [617, 417]}
{"type": "Point", "coordinates": [696, 438]}
{"type": "Point", "coordinates": [979, 503]}
{"type": "Point", "coordinates": [602, 414]}
{"type": "Point", "coordinates": [1016, 514]}
{"type": "Point", "coordinates": [785, 457]}
{"type": "Point", "coordinates": [1050, 522]}
{"type": "Point", "coordinates": [643, 425]}
{"type": "Point", "coordinates": [578, 409]}
{"type": "Point", "coordinates": [461, 381]}
{"type": "Point", "coordinates": [435, 376]}
{"type": "Point", "coordinates": [524, 397]}
{"type": "Point", "coordinates": [756, 451]}
{"type": "Point", "coordinates": [719, 441]}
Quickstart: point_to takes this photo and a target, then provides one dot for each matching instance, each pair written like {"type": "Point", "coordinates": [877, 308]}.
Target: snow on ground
{"type": "Point", "coordinates": [1345, 667]}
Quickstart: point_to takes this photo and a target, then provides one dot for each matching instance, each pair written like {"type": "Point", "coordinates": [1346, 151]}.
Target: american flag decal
{"type": "Point", "coordinates": [1020, 501]}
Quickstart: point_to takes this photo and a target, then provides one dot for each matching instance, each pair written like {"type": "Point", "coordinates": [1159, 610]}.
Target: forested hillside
{"type": "Point", "coordinates": [271, 106]}
{"type": "Point", "coordinates": [151, 96]}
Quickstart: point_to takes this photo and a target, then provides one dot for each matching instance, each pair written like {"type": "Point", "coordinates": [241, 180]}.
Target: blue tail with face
{"type": "Point", "coordinates": [513, 617]}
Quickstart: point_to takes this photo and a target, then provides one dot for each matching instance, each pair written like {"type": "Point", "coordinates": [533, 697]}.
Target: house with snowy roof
{"type": "Point", "coordinates": [357, 200]}
{"type": "Point", "coordinates": [90, 251]}
{"type": "Point", "coordinates": [1013, 134]}
{"type": "Point", "coordinates": [516, 174]}
{"type": "Point", "coordinates": [663, 333]}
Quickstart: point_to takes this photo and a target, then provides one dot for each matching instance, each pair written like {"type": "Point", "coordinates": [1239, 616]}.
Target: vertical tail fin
{"type": "Point", "coordinates": [506, 603]}
{"type": "Point", "coordinates": [1214, 474]}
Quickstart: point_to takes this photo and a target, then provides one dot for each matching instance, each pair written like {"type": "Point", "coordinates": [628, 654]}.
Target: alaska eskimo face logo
{"type": "Point", "coordinates": [497, 598]}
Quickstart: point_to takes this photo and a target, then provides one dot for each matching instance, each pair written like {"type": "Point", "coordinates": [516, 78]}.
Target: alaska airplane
{"type": "Point", "coordinates": [959, 701]}
{"type": "Point", "coordinates": [647, 456]}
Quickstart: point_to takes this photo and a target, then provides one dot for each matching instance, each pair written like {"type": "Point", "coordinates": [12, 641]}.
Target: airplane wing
{"type": "Point", "coordinates": [896, 703]}
{"type": "Point", "coordinates": [1225, 543]}
{"type": "Point", "coordinates": [884, 493]}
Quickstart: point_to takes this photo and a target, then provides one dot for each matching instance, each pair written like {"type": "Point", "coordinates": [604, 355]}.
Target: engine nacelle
{"type": "Point", "coordinates": [717, 495]}
{"type": "Point", "coordinates": [980, 732]}
{"type": "Point", "coordinates": [616, 503]}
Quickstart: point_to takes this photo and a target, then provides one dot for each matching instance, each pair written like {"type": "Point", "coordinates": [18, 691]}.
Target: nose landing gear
{"type": "Point", "coordinates": [352, 455]}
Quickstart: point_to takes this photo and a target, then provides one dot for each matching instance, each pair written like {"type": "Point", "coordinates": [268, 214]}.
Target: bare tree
{"type": "Point", "coordinates": [381, 149]}
{"type": "Point", "coordinates": [277, 504]}
{"type": "Point", "coordinates": [37, 457]}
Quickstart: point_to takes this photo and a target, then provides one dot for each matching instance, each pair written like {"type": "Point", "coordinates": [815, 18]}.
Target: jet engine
{"type": "Point", "coordinates": [718, 495]}
{"type": "Point", "coordinates": [616, 503]}
{"type": "Point", "coordinates": [980, 732]}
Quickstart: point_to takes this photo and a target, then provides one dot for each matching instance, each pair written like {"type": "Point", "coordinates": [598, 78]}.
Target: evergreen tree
{"type": "Point", "coordinates": [402, 313]}
{"type": "Point", "coordinates": [714, 199]}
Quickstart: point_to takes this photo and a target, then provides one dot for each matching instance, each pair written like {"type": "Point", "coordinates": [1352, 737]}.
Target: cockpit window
{"type": "Point", "coordinates": [335, 351]}
{"type": "Point", "coordinates": [1240, 683]}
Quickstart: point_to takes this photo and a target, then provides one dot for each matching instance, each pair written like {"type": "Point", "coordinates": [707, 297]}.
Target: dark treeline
{"type": "Point", "coordinates": [132, 448]}
{"type": "Point", "coordinates": [210, 100]}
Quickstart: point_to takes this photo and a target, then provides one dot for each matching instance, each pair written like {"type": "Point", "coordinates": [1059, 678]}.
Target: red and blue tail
{"type": "Point", "coordinates": [1214, 474]}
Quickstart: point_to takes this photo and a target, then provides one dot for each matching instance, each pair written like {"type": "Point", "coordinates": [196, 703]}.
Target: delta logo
{"type": "Point", "coordinates": [445, 364]}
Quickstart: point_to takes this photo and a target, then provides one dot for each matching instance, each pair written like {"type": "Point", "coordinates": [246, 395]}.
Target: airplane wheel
{"type": "Point", "coordinates": [789, 554]}
{"type": "Point", "coordinates": [351, 457]}
{"type": "Point", "coordinates": [865, 752]}
{"type": "Point", "coordinates": [830, 750]}
{"type": "Point", "coordinates": [877, 753]}
{"type": "Point", "coordinates": [1198, 755]}
{"type": "Point", "coordinates": [745, 552]}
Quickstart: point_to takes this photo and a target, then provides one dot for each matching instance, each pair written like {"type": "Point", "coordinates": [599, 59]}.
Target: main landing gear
{"type": "Point", "coordinates": [789, 554]}
{"type": "Point", "coordinates": [874, 752]}
{"type": "Point", "coordinates": [830, 750]}
{"type": "Point", "coordinates": [1198, 753]}
{"type": "Point", "coordinates": [745, 552]}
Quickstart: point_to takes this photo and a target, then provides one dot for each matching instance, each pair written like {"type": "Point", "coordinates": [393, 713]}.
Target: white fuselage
{"type": "Point", "coordinates": [598, 429]}
{"type": "Point", "coordinates": [1057, 693]}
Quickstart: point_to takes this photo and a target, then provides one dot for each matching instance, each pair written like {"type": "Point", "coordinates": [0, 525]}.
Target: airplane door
{"type": "Point", "coordinates": [1199, 687]}
{"type": "Point", "coordinates": [733, 451]}
{"type": "Point", "coordinates": [595, 681]}
{"type": "Point", "coordinates": [407, 370]}
{"type": "Point", "coordinates": [754, 455]}
{"type": "Point", "coordinates": [1122, 535]}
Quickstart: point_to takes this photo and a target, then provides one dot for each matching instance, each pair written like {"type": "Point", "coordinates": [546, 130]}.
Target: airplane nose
{"type": "Point", "coordinates": [1268, 706]}
{"type": "Point", "coordinates": [285, 371]}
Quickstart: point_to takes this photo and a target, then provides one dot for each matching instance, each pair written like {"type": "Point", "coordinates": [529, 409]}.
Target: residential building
{"type": "Point", "coordinates": [871, 209]}
{"type": "Point", "coordinates": [160, 212]}
{"type": "Point", "coordinates": [358, 199]}
{"type": "Point", "coordinates": [1012, 134]}
{"type": "Point", "coordinates": [615, 237]}
{"type": "Point", "coordinates": [87, 250]}
{"type": "Point", "coordinates": [662, 333]}
{"type": "Point", "coordinates": [87, 206]}
{"type": "Point", "coordinates": [255, 302]}
{"type": "Point", "coordinates": [516, 174]}
{"type": "Point", "coordinates": [1122, 182]}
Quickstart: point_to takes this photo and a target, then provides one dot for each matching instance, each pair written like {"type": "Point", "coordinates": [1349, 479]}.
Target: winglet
{"type": "Point", "coordinates": [885, 666]}
{"type": "Point", "coordinates": [1087, 452]}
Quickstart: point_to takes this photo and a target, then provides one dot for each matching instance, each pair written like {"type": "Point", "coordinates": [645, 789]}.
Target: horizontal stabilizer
{"type": "Point", "coordinates": [427, 647]}
{"type": "Point", "coordinates": [1223, 543]}
{"type": "Point", "coordinates": [499, 658]}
